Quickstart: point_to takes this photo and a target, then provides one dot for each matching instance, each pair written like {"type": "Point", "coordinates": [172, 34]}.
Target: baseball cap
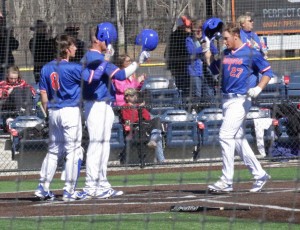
{"type": "Point", "coordinates": [130, 91]}
{"type": "Point", "coordinates": [184, 21]}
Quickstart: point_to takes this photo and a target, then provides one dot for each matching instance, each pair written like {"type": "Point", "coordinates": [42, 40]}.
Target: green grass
{"type": "Point", "coordinates": [156, 221]}
{"type": "Point", "coordinates": [290, 173]}
{"type": "Point", "coordinates": [148, 221]}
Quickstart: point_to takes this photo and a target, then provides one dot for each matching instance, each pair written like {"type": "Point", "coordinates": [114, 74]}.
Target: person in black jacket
{"type": "Point", "coordinates": [8, 43]}
{"type": "Point", "coordinates": [73, 31]}
{"type": "Point", "coordinates": [41, 47]}
{"type": "Point", "coordinates": [177, 56]}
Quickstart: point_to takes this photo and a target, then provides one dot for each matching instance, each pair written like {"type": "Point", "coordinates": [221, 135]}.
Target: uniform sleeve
{"type": "Point", "coordinates": [42, 82]}
{"type": "Point", "coordinates": [115, 72]}
{"type": "Point", "coordinates": [99, 71]}
{"type": "Point", "coordinates": [262, 65]}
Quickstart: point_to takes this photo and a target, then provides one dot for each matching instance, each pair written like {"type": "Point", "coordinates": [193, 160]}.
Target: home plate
{"type": "Point", "coordinates": [190, 196]}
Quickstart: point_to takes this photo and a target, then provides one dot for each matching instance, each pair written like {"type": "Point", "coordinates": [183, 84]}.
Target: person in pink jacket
{"type": "Point", "coordinates": [133, 81]}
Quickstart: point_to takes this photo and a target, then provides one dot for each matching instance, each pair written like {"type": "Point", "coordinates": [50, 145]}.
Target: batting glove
{"type": "Point", "coordinates": [144, 56]}
{"type": "Point", "coordinates": [109, 52]}
{"type": "Point", "coordinates": [206, 45]}
{"type": "Point", "coordinates": [254, 92]}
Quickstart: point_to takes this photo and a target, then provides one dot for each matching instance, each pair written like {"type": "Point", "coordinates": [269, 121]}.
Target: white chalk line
{"type": "Point", "coordinates": [216, 200]}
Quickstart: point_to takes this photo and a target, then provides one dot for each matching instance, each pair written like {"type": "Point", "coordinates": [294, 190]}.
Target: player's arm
{"type": "Point", "coordinates": [264, 68]}
{"type": "Point", "coordinates": [44, 100]}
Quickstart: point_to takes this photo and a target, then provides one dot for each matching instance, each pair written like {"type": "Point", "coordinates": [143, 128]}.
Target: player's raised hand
{"type": "Point", "coordinates": [144, 56]}
{"type": "Point", "coordinates": [205, 45]}
{"type": "Point", "coordinates": [109, 52]}
{"type": "Point", "coordinates": [254, 92]}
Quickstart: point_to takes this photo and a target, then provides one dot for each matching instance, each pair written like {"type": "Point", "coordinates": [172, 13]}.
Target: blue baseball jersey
{"type": "Point", "coordinates": [251, 39]}
{"type": "Point", "coordinates": [97, 74]}
{"type": "Point", "coordinates": [241, 68]}
{"type": "Point", "coordinates": [61, 81]}
{"type": "Point", "coordinates": [194, 49]}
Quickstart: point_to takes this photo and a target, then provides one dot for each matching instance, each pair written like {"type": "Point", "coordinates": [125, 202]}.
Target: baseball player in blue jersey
{"type": "Point", "coordinates": [99, 95]}
{"type": "Point", "coordinates": [241, 65]}
{"type": "Point", "coordinates": [60, 96]}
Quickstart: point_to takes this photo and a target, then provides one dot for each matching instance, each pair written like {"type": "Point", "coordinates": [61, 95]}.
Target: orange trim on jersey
{"type": "Point", "coordinates": [113, 73]}
{"type": "Point", "coordinates": [91, 76]}
{"type": "Point", "coordinates": [264, 70]}
{"type": "Point", "coordinates": [234, 51]}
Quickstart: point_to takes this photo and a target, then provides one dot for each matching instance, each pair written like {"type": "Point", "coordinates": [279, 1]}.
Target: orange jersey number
{"type": "Point", "coordinates": [55, 81]}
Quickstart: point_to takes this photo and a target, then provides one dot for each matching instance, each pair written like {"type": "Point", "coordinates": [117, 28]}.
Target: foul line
{"type": "Point", "coordinates": [216, 200]}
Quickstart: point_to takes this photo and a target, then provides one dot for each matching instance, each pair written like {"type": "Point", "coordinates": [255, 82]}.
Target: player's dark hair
{"type": "Point", "coordinates": [63, 42]}
{"type": "Point", "coordinates": [232, 28]}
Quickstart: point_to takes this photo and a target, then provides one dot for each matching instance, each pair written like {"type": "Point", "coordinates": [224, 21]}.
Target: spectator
{"type": "Point", "coordinates": [250, 37]}
{"type": "Point", "coordinates": [132, 81]}
{"type": "Point", "coordinates": [177, 56]}
{"type": "Point", "coordinates": [151, 126]}
{"type": "Point", "coordinates": [196, 47]}
{"type": "Point", "coordinates": [15, 93]}
{"type": "Point", "coordinates": [73, 31]}
{"type": "Point", "coordinates": [8, 43]}
{"type": "Point", "coordinates": [41, 47]}
{"type": "Point", "coordinates": [16, 96]}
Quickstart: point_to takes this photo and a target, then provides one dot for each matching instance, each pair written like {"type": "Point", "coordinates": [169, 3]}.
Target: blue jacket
{"type": "Point", "coordinates": [194, 49]}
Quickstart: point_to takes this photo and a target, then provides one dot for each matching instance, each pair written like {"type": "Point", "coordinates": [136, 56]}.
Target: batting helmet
{"type": "Point", "coordinates": [211, 27]}
{"type": "Point", "coordinates": [106, 32]}
{"type": "Point", "coordinates": [148, 39]}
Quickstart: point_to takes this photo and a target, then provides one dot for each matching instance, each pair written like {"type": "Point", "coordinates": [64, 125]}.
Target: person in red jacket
{"type": "Point", "coordinates": [150, 126]}
{"type": "Point", "coordinates": [16, 95]}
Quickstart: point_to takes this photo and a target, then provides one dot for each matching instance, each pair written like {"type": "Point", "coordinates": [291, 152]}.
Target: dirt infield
{"type": "Point", "coordinates": [278, 202]}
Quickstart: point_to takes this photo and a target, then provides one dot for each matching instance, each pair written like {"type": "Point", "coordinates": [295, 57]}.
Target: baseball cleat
{"type": "Point", "coordinates": [259, 184]}
{"type": "Point", "coordinates": [75, 196]}
{"type": "Point", "coordinates": [44, 195]}
{"type": "Point", "coordinates": [220, 186]}
{"type": "Point", "coordinates": [110, 193]}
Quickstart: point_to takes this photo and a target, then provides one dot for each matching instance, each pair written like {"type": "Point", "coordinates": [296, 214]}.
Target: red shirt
{"type": "Point", "coordinates": [132, 114]}
{"type": "Point", "coordinates": [5, 86]}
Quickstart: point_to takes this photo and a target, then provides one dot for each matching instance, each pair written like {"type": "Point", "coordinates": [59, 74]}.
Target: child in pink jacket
{"type": "Point", "coordinates": [133, 81]}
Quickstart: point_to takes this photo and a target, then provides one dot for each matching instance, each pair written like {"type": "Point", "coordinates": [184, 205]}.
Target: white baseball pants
{"type": "Point", "coordinates": [232, 137]}
{"type": "Point", "coordinates": [99, 118]}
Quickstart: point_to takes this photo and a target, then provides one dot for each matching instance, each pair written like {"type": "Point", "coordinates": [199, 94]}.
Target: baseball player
{"type": "Point", "coordinates": [241, 65]}
{"type": "Point", "coordinates": [60, 95]}
{"type": "Point", "coordinates": [99, 95]}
